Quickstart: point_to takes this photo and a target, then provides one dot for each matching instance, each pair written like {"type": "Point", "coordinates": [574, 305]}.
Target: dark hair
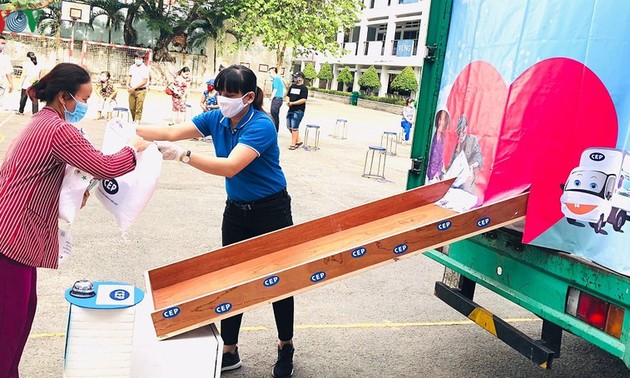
{"type": "Point", "coordinates": [140, 54]}
{"type": "Point", "coordinates": [274, 69]}
{"type": "Point", "coordinates": [2, 37]}
{"type": "Point", "coordinates": [106, 73]}
{"type": "Point", "coordinates": [239, 79]}
{"type": "Point", "coordinates": [408, 100]}
{"type": "Point", "coordinates": [32, 57]}
{"type": "Point", "coordinates": [437, 117]}
{"type": "Point", "coordinates": [64, 77]}
{"type": "Point", "coordinates": [184, 69]}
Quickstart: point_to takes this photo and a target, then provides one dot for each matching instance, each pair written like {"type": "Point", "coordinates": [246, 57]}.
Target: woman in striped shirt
{"type": "Point", "coordinates": [30, 182]}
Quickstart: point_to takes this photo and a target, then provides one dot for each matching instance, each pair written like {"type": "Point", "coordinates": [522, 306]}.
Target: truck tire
{"type": "Point", "coordinates": [620, 220]}
{"type": "Point", "coordinates": [597, 226]}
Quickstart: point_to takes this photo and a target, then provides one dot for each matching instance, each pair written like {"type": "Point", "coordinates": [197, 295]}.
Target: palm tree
{"type": "Point", "coordinates": [112, 10]}
{"type": "Point", "coordinates": [51, 19]}
{"type": "Point", "coordinates": [210, 25]}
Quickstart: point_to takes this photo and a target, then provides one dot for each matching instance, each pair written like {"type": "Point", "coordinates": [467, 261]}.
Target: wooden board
{"type": "Point", "coordinates": [216, 285]}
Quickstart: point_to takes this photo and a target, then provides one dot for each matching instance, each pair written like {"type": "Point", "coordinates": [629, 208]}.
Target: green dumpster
{"type": "Point", "coordinates": [354, 98]}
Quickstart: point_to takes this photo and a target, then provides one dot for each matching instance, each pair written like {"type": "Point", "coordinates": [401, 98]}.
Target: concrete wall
{"type": "Point", "coordinates": [390, 108]}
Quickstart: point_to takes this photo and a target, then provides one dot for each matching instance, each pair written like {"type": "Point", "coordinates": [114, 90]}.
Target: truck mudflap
{"type": "Point", "coordinates": [534, 350]}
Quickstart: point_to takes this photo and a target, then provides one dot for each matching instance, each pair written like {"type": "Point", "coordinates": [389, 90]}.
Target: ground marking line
{"type": "Point", "coordinates": [339, 326]}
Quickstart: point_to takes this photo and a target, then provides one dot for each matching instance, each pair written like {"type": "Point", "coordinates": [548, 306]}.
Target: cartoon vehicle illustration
{"type": "Point", "coordinates": [598, 190]}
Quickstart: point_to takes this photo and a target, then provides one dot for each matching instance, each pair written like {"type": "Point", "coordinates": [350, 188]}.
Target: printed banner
{"type": "Point", "coordinates": [534, 96]}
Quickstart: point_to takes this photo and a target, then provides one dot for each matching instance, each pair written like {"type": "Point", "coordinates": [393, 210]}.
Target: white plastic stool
{"type": "Point", "coordinates": [341, 129]}
{"type": "Point", "coordinates": [380, 168]}
{"type": "Point", "coordinates": [388, 140]}
{"type": "Point", "coordinates": [315, 145]}
{"type": "Point", "coordinates": [119, 109]}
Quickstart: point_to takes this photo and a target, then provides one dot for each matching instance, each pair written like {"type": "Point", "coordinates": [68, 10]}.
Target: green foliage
{"type": "Point", "coordinates": [338, 93]}
{"type": "Point", "coordinates": [112, 9]}
{"type": "Point", "coordinates": [309, 71]}
{"type": "Point", "coordinates": [386, 100]}
{"type": "Point", "coordinates": [406, 81]}
{"type": "Point", "coordinates": [369, 79]}
{"type": "Point", "coordinates": [325, 72]}
{"type": "Point", "coordinates": [345, 76]}
{"type": "Point", "coordinates": [281, 24]}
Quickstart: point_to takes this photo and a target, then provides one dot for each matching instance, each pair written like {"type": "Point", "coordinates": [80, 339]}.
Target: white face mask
{"type": "Point", "coordinates": [138, 62]}
{"type": "Point", "coordinates": [231, 106]}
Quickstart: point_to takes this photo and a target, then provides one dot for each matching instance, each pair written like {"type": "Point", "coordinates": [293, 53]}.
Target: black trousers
{"type": "Point", "coordinates": [243, 221]}
{"type": "Point", "coordinates": [23, 98]}
{"type": "Point", "coordinates": [276, 103]}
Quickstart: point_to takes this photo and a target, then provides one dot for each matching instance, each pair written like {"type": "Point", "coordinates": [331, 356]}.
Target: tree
{"type": "Point", "coordinates": [50, 19]}
{"type": "Point", "coordinates": [210, 25]}
{"type": "Point", "coordinates": [27, 4]}
{"type": "Point", "coordinates": [405, 81]}
{"type": "Point", "coordinates": [369, 79]}
{"type": "Point", "coordinates": [280, 24]}
{"type": "Point", "coordinates": [112, 9]}
{"type": "Point", "coordinates": [325, 73]}
{"type": "Point", "coordinates": [309, 71]}
{"type": "Point", "coordinates": [345, 76]}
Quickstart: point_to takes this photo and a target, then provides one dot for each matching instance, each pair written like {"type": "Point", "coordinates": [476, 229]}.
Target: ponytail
{"type": "Point", "coordinates": [64, 77]}
{"type": "Point", "coordinates": [32, 57]}
{"type": "Point", "coordinates": [258, 100]}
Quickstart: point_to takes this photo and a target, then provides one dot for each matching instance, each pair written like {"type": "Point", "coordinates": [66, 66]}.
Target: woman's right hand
{"type": "Point", "coordinates": [138, 143]}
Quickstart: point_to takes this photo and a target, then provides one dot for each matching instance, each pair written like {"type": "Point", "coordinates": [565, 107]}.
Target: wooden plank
{"type": "Point", "coordinates": [282, 239]}
{"type": "Point", "coordinates": [224, 292]}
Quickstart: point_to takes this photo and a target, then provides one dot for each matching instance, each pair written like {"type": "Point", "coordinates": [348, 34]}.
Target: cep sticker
{"type": "Point", "coordinates": [119, 295]}
{"type": "Point", "coordinates": [359, 252]}
{"type": "Point", "coordinates": [483, 222]}
{"type": "Point", "coordinates": [400, 249]}
{"type": "Point", "coordinates": [110, 186]}
{"type": "Point", "coordinates": [171, 312]}
{"type": "Point", "coordinates": [597, 156]}
{"type": "Point", "coordinates": [270, 281]}
{"type": "Point", "coordinates": [443, 226]}
{"type": "Point", "coordinates": [319, 276]}
{"type": "Point", "coordinates": [223, 308]}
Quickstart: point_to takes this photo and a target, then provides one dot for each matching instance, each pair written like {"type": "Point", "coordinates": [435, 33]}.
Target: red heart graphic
{"type": "Point", "coordinates": [532, 133]}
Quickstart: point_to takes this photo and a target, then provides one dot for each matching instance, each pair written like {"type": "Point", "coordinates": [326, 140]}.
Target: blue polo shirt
{"type": "Point", "coordinates": [263, 176]}
{"type": "Point", "coordinates": [278, 85]}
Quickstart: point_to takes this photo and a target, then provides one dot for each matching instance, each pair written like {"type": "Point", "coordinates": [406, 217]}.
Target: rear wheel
{"type": "Point", "coordinates": [620, 220]}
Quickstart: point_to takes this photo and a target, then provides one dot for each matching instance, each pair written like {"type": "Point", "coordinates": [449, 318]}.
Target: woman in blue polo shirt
{"type": "Point", "coordinates": [248, 156]}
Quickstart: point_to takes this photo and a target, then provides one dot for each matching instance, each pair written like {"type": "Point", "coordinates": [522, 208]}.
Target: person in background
{"type": "Point", "coordinates": [297, 96]}
{"type": "Point", "coordinates": [435, 170]}
{"type": "Point", "coordinates": [209, 98]}
{"type": "Point", "coordinates": [106, 94]}
{"type": "Point", "coordinates": [248, 156]}
{"type": "Point", "coordinates": [137, 84]}
{"type": "Point", "coordinates": [181, 87]}
{"type": "Point", "coordinates": [30, 183]}
{"type": "Point", "coordinates": [6, 71]}
{"type": "Point", "coordinates": [408, 112]}
{"type": "Point", "coordinates": [31, 73]}
{"type": "Point", "coordinates": [277, 93]}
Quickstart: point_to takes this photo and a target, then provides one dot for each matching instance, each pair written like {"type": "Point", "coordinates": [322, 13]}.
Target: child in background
{"type": "Point", "coordinates": [209, 99]}
{"type": "Point", "coordinates": [106, 94]}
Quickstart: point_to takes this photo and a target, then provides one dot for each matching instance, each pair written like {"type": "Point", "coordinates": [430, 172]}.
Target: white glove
{"type": "Point", "coordinates": [170, 151]}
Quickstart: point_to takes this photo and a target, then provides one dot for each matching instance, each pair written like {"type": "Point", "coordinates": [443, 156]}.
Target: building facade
{"type": "Point", "coordinates": [389, 35]}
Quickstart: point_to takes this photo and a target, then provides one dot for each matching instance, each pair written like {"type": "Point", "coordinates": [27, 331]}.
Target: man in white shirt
{"type": "Point", "coordinates": [6, 69]}
{"type": "Point", "coordinates": [137, 84]}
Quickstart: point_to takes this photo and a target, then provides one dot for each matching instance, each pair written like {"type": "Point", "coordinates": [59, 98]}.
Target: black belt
{"type": "Point", "coordinates": [140, 89]}
{"type": "Point", "coordinates": [254, 204]}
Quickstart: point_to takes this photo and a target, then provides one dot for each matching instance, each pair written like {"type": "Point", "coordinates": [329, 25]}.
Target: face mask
{"type": "Point", "coordinates": [231, 106]}
{"type": "Point", "coordinates": [79, 111]}
{"type": "Point", "coordinates": [103, 79]}
{"type": "Point", "coordinates": [1, 48]}
{"type": "Point", "coordinates": [138, 62]}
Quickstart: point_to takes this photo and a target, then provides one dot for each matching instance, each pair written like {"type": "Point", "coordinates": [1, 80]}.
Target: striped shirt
{"type": "Point", "coordinates": [30, 183]}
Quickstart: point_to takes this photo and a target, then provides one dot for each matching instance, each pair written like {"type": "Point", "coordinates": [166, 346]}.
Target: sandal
{"type": "Point", "coordinates": [298, 144]}
{"type": "Point", "coordinates": [294, 147]}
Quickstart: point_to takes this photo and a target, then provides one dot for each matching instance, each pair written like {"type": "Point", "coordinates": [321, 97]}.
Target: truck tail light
{"type": "Point", "coordinates": [595, 311]}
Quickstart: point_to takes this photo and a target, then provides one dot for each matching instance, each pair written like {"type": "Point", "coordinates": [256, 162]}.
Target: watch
{"type": "Point", "coordinates": [186, 158]}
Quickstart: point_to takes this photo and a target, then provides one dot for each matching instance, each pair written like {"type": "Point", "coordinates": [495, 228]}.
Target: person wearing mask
{"type": "Point", "coordinates": [31, 72]}
{"type": "Point", "coordinates": [247, 155]}
{"type": "Point", "coordinates": [106, 94]}
{"type": "Point", "coordinates": [209, 97]}
{"type": "Point", "coordinates": [6, 71]}
{"type": "Point", "coordinates": [277, 93]}
{"type": "Point", "coordinates": [408, 112]}
{"type": "Point", "coordinates": [297, 95]}
{"type": "Point", "coordinates": [30, 182]}
{"type": "Point", "coordinates": [180, 89]}
{"type": "Point", "coordinates": [137, 83]}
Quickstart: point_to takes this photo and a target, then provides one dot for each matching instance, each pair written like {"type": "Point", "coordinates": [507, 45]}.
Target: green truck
{"type": "Point", "coordinates": [569, 293]}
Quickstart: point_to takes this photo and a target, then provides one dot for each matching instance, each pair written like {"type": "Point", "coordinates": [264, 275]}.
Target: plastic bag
{"type": "Point", "coordinates": [74, 184]}
{"type": "Point", "coordinates": [128, 195]}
